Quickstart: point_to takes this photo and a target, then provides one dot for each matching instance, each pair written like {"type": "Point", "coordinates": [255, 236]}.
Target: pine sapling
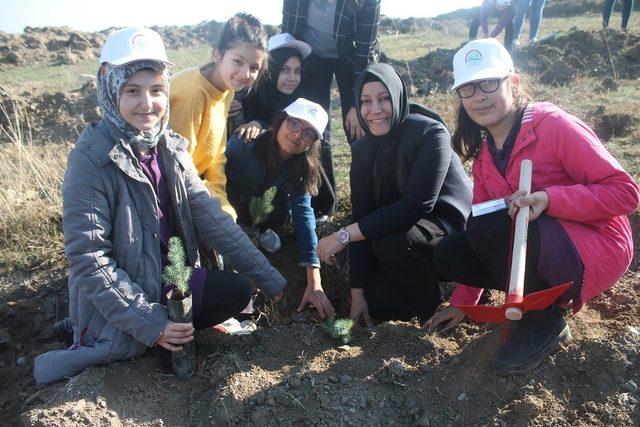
{"type": "Point", "coordinates": [261, 207]}
{"type": "Point", "coordinates": [339, 329]}
{"type": "Point", "coordinates": [177, 272]}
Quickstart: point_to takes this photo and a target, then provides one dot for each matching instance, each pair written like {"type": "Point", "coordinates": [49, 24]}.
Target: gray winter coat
{"type": "Point", "coordinates": [111, 239]}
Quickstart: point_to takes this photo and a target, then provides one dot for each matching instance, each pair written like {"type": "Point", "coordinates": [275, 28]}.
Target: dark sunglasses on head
{"type": "Point", "coordinates": [486, 86]}
{"type": "Point", "coordinates": [308, 135]}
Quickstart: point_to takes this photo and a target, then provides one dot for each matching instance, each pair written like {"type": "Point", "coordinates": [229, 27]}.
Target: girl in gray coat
{"type": "Point", "coordinates": [130, 185]}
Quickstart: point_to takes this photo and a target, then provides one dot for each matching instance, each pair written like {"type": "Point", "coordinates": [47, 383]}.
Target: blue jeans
{"type": "Point", "coordinates": [534, 19]}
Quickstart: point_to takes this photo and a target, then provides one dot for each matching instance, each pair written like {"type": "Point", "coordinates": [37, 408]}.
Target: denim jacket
{"type": "Point", "coordinates": [245, 177]}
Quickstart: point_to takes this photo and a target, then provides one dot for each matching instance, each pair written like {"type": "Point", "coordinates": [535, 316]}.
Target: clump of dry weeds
{"type": "Point", "coordinates": [30, 195]}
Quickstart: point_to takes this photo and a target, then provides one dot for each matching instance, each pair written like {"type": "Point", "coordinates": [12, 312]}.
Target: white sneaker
{"type": "Point", "coordinates": [269, 241]}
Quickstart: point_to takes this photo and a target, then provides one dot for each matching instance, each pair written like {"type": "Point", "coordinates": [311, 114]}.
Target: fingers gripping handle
{"type": "Point", "coordinates": [518, 260]}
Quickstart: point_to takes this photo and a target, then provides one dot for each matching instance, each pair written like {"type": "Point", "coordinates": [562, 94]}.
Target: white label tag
{"type": "Point", "coordinates": [488, 207]}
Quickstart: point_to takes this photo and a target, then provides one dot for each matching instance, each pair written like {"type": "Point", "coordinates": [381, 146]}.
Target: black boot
{"type": "Point", "coordinates": [63, 331]}
{"type": "Point", "coordinates": [530, 340]}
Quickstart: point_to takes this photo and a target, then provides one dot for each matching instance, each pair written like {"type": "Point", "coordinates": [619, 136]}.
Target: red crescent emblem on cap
{"type": "Point", "coordinates": [139, 39]}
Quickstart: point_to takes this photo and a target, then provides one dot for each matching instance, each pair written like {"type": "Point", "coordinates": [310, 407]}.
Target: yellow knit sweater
{"type": "Point", "coordinates": [199, 113]}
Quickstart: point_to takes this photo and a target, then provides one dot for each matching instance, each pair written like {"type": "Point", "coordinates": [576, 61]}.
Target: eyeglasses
{"type": "Point", "coordinates": [486, 86]}
{"type": "Point", "coordinates": [307, 135]}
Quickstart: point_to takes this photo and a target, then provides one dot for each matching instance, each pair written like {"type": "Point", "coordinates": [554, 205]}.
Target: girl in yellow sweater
{"type": "Point", "coordinates": [201, 97]}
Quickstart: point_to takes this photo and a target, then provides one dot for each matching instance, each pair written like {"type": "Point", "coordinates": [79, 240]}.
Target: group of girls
{"type": "Point", "coordinates": [141, 175]}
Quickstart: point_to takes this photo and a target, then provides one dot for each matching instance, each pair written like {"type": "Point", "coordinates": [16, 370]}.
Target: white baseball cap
{"type": "Point", "coordinates": [480, 60]}
{"type": "Point", "coordinates": [133, 44]}
{"type": "Point", "coordinates": [310, 112]}
{"type": "Point", "coordinates": [287, 40]}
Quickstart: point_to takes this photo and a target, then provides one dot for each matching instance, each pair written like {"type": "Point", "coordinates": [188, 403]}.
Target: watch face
{"type": "Point", "coordinates": [343, 236]}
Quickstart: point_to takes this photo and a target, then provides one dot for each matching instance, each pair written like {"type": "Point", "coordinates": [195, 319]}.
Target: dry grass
{"type": "Point", "coordinates": [30, 197]}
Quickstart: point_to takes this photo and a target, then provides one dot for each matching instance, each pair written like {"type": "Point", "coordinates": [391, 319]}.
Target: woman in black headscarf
{"type": "Point", "coordinates": [278, 89]}
{"type": "Point", "coordinates": [408, 190]}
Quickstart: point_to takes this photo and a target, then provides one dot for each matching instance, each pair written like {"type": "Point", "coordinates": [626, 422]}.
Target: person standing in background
{"type": "Point", "coordinates": [627, 7]}
{"type": "Point", "coordinates": [343, 35]}
{"type": "Point", "coordinates": [535, 18]}
{"type": "Point", "coordinates": [504, 10]}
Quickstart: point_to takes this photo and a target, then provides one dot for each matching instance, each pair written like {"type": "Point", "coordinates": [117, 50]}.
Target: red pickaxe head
{"type": "Point", "coordinates": [515, 306]}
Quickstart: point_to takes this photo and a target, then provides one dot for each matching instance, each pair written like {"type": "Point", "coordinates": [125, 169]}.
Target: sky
{"type": "Point", "coordinates": [91, 15]}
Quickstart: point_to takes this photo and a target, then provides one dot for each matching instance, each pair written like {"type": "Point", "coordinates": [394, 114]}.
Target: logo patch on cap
{"type": "Point", "coordinates": [313, 112]}
{"type": "Point", "coordinates": [473, 58]}
{"type": "Point", "coordinates": [140, 40]}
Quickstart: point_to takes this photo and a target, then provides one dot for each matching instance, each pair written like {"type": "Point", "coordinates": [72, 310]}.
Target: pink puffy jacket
{"type": "Point", "coordinates": [589, 193]}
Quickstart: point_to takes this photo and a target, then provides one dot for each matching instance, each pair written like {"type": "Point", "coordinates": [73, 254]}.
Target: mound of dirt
{"type": "Point", "coordinates": [293, 372]}
{"type": "Point", "coordinates": [393, 374]}
{"type": "Point", "coordinates": [555, 60]}
{"type": "Point", "coordinates": [62, 45]}
{"type": "Point", "coordinates": [561, 56]}
{"type": "Point", "coordinates": [49, 45]}
{"type": "Point", "coordinates": [56, 117]}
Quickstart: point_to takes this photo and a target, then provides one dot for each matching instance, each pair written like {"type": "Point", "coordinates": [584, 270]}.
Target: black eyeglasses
{"type": "Point", "coordinates": [486, 86]}
{"type": "Point", "coordinates": [308, 135]}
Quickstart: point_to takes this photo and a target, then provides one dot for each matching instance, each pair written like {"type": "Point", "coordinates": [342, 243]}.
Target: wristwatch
{"type": "Point", "coordinates": [343, 236]}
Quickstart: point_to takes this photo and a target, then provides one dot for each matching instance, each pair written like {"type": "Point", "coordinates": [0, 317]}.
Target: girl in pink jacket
{"type": "Point", "coordinates": [579, 199]}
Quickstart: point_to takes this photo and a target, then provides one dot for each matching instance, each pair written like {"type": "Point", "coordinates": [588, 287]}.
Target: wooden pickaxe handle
{"type": "Point", "coordinates": [519, 255]}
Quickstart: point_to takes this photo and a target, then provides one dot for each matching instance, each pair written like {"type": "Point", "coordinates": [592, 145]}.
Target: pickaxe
{"type": "Point", "coordinates": [516, 305]}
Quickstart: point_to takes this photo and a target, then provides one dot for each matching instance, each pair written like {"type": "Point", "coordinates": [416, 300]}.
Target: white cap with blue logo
{"type": "Point", "coordinates": [480, 60]}
{"type": "Point", "coordinates": [310, 112]}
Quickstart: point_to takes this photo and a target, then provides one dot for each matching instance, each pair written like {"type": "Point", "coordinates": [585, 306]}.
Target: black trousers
{"type": "Point", "coordinates": [480, 255]}
{"type": "Point", "coordinates": [225, 295]}
{"type": "Point", "coordinates": [403, 282]}
{"type": "Point", "coordinates": [607, 8]}
{"type": "Point", "coordinates": [316, 86]}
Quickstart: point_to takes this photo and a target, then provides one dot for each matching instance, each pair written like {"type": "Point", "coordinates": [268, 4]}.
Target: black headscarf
{"type": "Point", "coordinates": [386, 175]}
{"type": "Point", "coordinates": [270, 99]}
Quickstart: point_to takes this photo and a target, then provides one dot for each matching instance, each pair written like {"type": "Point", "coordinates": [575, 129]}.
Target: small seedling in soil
{"type": "Point", "coordinates": [339, 329]}
{"type": "Point", "coordinates": [261, 207]}
{"type": "Point", "coordinates": [177, 272]}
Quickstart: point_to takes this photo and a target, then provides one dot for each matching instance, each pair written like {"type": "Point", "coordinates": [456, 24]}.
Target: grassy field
{"type": "Point", "coordinates": [30, 177]}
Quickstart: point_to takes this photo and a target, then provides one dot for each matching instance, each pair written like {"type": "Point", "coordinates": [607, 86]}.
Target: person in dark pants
{"type": "Point", "coordinates": [607, 9]}
{"type": "Point", "coordinates": [408, 190]}
{"type": "Point", "coordinates": [343, 35]}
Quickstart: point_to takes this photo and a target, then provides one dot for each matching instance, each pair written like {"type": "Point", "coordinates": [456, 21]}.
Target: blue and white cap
{"type": "Point", "coordinates": [310, 112]}
{"type": "Point", "coordinates": [480, 60]}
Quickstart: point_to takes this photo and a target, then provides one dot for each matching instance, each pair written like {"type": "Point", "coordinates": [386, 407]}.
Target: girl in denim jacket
{"type": "Point", "coordinates": [286, 157]}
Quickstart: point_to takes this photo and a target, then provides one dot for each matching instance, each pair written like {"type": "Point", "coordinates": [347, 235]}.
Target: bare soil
{"type": "Point", "coordinates": [290, 371]}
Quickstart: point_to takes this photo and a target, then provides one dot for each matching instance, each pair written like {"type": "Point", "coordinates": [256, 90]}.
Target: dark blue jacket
{"type": "Point", "coordinates": [245, 179]}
